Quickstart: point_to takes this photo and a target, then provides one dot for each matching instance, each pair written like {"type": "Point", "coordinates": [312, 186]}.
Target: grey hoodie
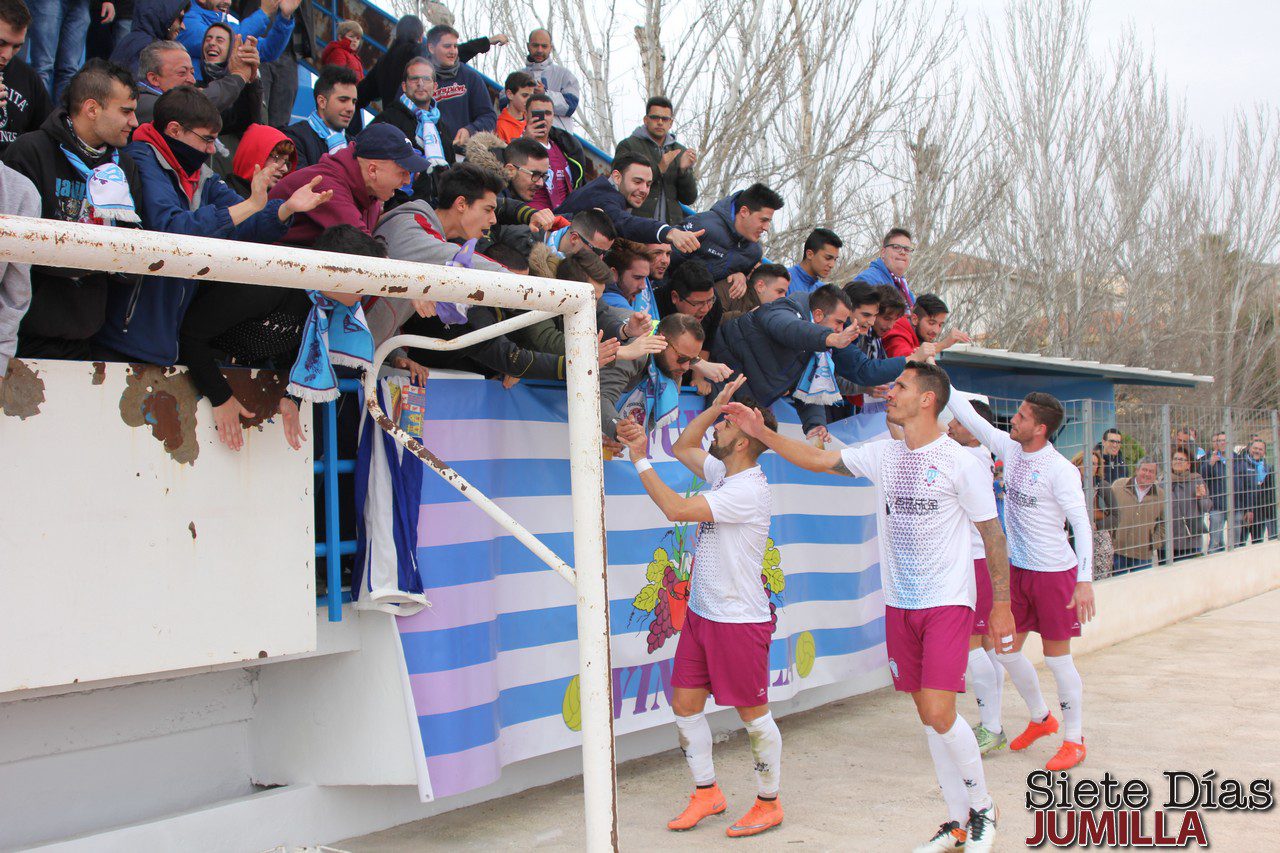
{"type": "Point", "coordinates": [18, 197]}
{"type": "Point", "coordinates": [561, 86]}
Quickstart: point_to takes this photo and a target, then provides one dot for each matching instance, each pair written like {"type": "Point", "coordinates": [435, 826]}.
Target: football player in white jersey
{"type": "Point", "coordinates": [1051, 583]}
{"type": "Point", "coordinates": [929, 490]}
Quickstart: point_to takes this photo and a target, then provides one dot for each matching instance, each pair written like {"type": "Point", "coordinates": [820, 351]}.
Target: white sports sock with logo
{"type": "Point", "coordinates": [963, 747]}
{"type": "Point", "coordinates": [766, 748]}
{"type": "Point", "coordinates": [1070, 696]}
{"type": "Point", "coordinates": [1028, 683]}
{"type": "Point", "coordinates": [695, 743]}
{"type": "Point", "coordinates": [999, 671]}
{"type": "Point", "coordinates": [953, 789]}
{"type": "Point", "coordinates": [981, 679]}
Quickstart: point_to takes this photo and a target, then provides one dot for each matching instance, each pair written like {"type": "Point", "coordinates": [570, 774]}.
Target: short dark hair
{"type": "Point", "coordinates": [820, 237]}
{"type": "Point", "coordinates": [438, 32]}
{"type": "Point", "coordinates": [349, 240]}
{"type": "Point", "coordinates": [827, 298]}
{"type": "Point", "coordinates": [767, 271]}
{"type": "Point", "coordinates": [521, 150]}
{"type": "Point", "coordinates": [414, 60]}
{"type": "Point", "coordinates": [891, 301]}
{"type": "Point", "coordinates": [758, 197]}
{"type": "Point", "coordinates": [932, 378]}
{"type": "Point", "coordinates": [658, 101]}
{"type": "Point", "coordinates": [770, 421]}
{"type": "Point", "coordinates": [691, 277]}
{"type": "Point", "coordinates": [93, 83]}
{"type": "Point", "coordinates": [509, 256]}
{"type": "Point", "coordinates": [1108, 432]}
{"type": "Point", "coordinates": [625, 253]}
{"type": "Point", "coordinates": [332, 76]}
{"type": "Point", "coordinates": [626, 161]}
{"type": "Point", "coordinates": [861, 293]}
{"type": "Point", "coordinates": [984, 411]}
{"type": "Point", "coordinates": [1047, 411]}
{"type": "Point", "coordinates": [674, 325]}
{"type": "Point", "coordinates": [895, 232]}
{"type": "Point", "coordinates": [231, 34]}
{"type": "Point", "coordinates": [15, 13]}
{"type": "Point", "coordinates": [542, 97]}
{"type": "Point", "coordinates": [518, 80]}
{"type": "Point", "coordinates": [469, 183]}
{"type": "Point", "coordinates": [592, 221]}
{"type": "Point", "coordinates": [409, 30]}
{"type": "Point", "coordinates": [931, 305]}
{"type": "Point", "coordinates": [189, 107]}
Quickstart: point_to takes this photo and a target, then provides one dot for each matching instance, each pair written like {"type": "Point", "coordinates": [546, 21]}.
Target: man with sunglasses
{"type": "Point", "coordinates": [647, 391]}
{"type": "Point", "coordinates": [564, 154]}
{"type": "Point", "coordinates": [674, 183]}
{"type": "Point", "coordinates": [891, 267]}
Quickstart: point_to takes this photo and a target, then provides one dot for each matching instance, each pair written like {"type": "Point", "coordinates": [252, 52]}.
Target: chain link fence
{"type": "Point", "coordinates": [1167, 482]}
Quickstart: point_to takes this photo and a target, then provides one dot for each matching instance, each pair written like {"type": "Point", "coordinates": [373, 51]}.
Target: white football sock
{"type": "Point", "coordinates": [981, 679]}
{"type": "Point", "coordinates": [999, 671]}
{"type": "Point", "coordinates": [1028, 683]}
{"type": "Point", "coordinates": [953, 789]}
{"type": "Point", "coordinates": [963, 747]}
{"type": "Point", "coordinates": [766, 748]}
{"type": "Point", "coordinates": [695, 743]}
{"type": "Point", "coordinates": [1070, 696]}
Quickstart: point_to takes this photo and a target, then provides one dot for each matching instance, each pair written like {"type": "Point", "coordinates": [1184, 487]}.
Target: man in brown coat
{"type": "Point", "coordinates": [1139, 537]}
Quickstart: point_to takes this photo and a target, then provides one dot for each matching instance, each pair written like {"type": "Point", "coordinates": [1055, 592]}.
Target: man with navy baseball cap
{"type": "Point", "coordinates": [362, 177]}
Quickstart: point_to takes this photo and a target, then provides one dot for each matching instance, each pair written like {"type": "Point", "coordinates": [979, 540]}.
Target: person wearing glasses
{"type": "Point", "coordinates": [416, 115]}
{"type": "Point", "coordinates": [674, 183]}
{"type": "Point", "coordinates": [564, 153]}
{"type": "Point", "coordinates": [1113, 465]}
{"type": "Point", "coordinates": [647, 390]}
{"type": "Point", "coordinates": [891, 267]}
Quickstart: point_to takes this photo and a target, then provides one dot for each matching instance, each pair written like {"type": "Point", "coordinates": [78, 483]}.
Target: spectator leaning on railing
{"type": "Point", "coordinates": [1105, 514]}
{"type": "Point", "coordinates": [619, 194]}
{"type": "Point", "coordinates": [24, 99]}
{"type": "Point", "coordinates": [674, 183]}
{"type": "Point", "coordinates": [730, 235]}
{"type": "Point", "coordinates": [1139, 535]}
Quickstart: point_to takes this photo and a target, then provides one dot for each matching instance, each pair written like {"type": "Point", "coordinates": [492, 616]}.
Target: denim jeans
{"type": "Point", "coordinates": [56, 41]}
{"type": "Point", "coordinates": [1217, 524]}
{"type": "Point", "coordinates": [1125, 564]}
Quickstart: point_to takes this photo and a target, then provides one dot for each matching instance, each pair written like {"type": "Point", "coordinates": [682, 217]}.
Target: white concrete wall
{"type": "Point", "coordinates": [133, 549]}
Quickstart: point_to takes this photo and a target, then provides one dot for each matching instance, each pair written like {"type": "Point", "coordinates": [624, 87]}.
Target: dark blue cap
{"type": "Point", "coordinates": [382, 141]}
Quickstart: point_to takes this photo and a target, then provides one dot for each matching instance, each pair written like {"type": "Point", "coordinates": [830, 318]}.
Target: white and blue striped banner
{"type": "Point", "coordinates": [492, 664]}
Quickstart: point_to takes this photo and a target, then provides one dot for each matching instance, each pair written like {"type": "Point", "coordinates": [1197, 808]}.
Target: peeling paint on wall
{"type": "Point", "coordinates": [22, 391]}
{"type": "Point", "coordinates": [258, 391]}
{"type": "Point", "coordinates": [99, 372]}
{"type": "Point", "coordinates": [165, 401]}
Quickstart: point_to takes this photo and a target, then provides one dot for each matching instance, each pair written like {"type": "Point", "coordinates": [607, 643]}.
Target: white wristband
{"type": "Point", "coordinates": [643, 465]}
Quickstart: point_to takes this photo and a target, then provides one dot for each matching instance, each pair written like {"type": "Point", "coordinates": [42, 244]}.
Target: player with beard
{"type": "Point", "coordinates": [928, 489]}
{"type": "Point", "coordinates": [724, 645]}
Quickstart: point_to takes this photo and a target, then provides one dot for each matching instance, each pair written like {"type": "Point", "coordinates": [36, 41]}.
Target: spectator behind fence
{"type": "Point", "coordinates": [553, 80]}
{"type": "Point", "coordinates": [26, 104]}
{"type": "Point", "coordinates": [1250, 471]}
{"type": "Point", "coordinates": [821, 253]}
{"type": "Point", "coordinates": [517, 90]}
{"type": "Point", "coordinates": [153, 20]}
{"type": "Point", "coordinates": [68, 306]}
{"type": "Point", "coordinates": [674, 183]}
{"type": "Point", "coordinates": [1191, 503]}
{"type": "Point", "coordinates": [922, 326]}
{"type": "Point", "coordinates": [1139, 535]}
{"type": "Point", "coordinates": [564, 153]}
{"type": "Point", "coordinates": [416, 115]}
{"type": "Point", "coordinates": [55, 43]}
{"type": "Point", "coordinates": [619, 194]}
{"type": "Point", "coordinates": [250, 325]}
{"type": "Point", "coordinates": [272, 31]}
{"type": "Point", "coordinates": [280, 77]}
{"type": "Point", "coordinates": [165, 65]}
{"type": "Point", "coordinates": [1264, 521]}
{"type": "Point", "coordinates": [730, 240]}
{"type": "Point", "coordinates": [1105, 514]}
{"type": "Point", "coordinates": [461, 92]}
{"type": "Point", "coordinates": [223, 55]}
{"type": "Point", "coordinates": [326, 130]}
{"type": "Point", "coordinates": [1214, 469]}
{"type": "Point", "coordinates": [891, 267]}
{"type": "Point", "coordinates": [18, 197]}
{"type": "Point", "coordinates": [182, 195]}
{"type": "Point", "coordinates": [345, 49]}
{"type": "Point", "coordinates": [647, 390]}
{"type": "Point", "coordinates": [1185, 436]}
{"type": "Point", "coordinates": [1113, 465]}
{"type": "Point", "coordinates": [261, 147]}
{"type": "Point", "coordinates": [361, 177]}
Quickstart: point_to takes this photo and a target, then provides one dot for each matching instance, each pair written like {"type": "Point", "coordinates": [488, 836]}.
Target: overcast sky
{"type": "Point", "coordinates": [1218, 56]}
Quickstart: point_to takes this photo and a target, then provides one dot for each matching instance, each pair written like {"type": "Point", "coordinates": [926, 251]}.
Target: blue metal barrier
{"type": "Point", "coordinates": [328, 467]}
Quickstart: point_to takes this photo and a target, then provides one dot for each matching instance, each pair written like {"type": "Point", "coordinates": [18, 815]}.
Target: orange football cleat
{"type": "Point", "coordinates": [704, 802]}
{"type": "Point", "coordinates": [763, 815]}
{"type": "Point", "coordinates": [1034, 731]}
{"type": "Point", "coordinates": [1068, 756]}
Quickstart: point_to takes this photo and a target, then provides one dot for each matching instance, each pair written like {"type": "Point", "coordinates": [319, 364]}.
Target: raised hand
{"type": "Point", "coordinates": [924, 352]}
{"type": "Point", "coordinates": [305, 198]}
{"type": "Point", "coordinates": [542, 220]}
{"type": "Point", "coordinates": [685, 241]}
{"type": "Point", "coordinates": [608, 350]}
{"type": "Point", "coordinates": [634, 437]}
{"type": "Point", "coordinates": [643, 346]}
{"type": "Point", "coordinates": [667, 159]}
{"type": "Point", "coordinates": [687, 158]}
{"type": "Point", "coordinates": [640, 324]}
{"type": "Point", "coordinates": [737, 285]}
{"type": "Point", "coordinates": [842, 338]}
{"type": "Point", "coordinates": [749, 420]}
{"type": "Point", "coordinates": [260, 186]}
{"type": "Point", "coordinates": [727, 392]}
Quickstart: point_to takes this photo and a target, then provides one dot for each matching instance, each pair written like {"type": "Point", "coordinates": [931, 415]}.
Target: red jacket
{"type": "Point", "coordinates": [351, 203]}
{"type": "Point", "coordinates": [340, 53]}
{"type": "Point", "coordinates": [901, 339]}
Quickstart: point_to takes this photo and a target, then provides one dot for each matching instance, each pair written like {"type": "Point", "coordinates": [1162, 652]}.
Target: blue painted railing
{"type": "Point", "coordinates": [328, 467]}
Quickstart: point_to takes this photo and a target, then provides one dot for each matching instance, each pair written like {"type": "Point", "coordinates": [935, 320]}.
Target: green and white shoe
{"type": "Point", "coordinates": [989, 741]}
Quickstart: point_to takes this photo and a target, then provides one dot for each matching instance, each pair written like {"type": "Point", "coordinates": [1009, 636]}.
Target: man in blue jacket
{"type": "Point", "coordinates": [891, 267]}
{"type": "Point", "coordinates": [182, 195]}
{"type": "Point", "coordinates": [731, 231]}
{"type": "Point", "coordinates": [619, 194]}
{"type": "Point", "coordinates": [461, 93]}
{"type": "Point", "coordinates": [1214, 471]}
{"type": "Point", "coordinates": [821, 253]}
{"type": "Point", "coordinates": [1250, 473]}
{"type": "Point", "coordinates": [272, 26]}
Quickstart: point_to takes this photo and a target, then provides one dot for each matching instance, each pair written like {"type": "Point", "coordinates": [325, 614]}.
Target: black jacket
{"type": "Point", "coordinates": [29, 104]}
{"type": "Point", "coordinates": [67, 306]}
{"type": "Point", "coordinates": [310, 146]}
{"type": "Point", "coordinates": [426, 184]}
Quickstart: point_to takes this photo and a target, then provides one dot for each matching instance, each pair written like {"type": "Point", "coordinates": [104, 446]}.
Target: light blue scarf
{"type": "Point", "coordinates": [655, 402]}
{"type": "Point", "coordinates": [427, 134]}
{"type": "Point", "coordinates": [818, 382]}
{"type": "Point", "coordinates": [334, 334]}
{"type": "Point", "coordinates": [107, 189]}
{"type": "Point", "coordinates": [334, 140]}
{"type": "Point", "coordinates": [645, 301]}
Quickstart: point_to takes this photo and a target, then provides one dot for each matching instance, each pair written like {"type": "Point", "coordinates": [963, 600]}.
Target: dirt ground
{"type": "Point", "coordinates": [1197, 696]}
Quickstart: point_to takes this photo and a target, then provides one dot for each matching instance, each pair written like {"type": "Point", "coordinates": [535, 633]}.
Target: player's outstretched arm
{"type": "Point", "coordinates": [962, 410]}
{"type": "Point", "coordinates": [1070, 495]}
{"type": "Point", "coordinates": [688, 447]}
{"type": "Point", "coordinates": [674, 506]}
{"type": "Point", "coordinates": [799, 453]}
{"type": "Point", "coordinates": [1000, 623]}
